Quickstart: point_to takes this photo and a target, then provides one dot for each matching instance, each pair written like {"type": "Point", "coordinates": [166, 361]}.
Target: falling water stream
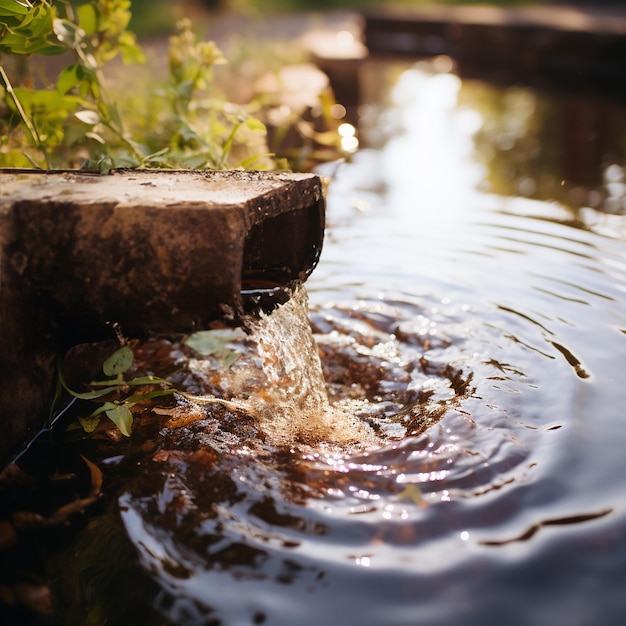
{"type": "Point", "coordinates": [433, 434]}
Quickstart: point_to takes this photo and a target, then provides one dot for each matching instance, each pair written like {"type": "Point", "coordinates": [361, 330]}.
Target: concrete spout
{"type": "Point", "coordinates": [151, 251]}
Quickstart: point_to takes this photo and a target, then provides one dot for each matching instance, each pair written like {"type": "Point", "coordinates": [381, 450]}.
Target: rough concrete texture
{"type": "Point", "coordinates": [151, 251]}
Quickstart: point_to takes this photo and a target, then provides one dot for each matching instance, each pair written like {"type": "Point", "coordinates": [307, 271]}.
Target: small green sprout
{"type": "Point", "coordinates": [118, 411]}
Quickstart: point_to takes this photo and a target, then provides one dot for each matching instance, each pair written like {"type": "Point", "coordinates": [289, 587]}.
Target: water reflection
{"type": "Point", "coordinates": [539, 290]}
{"type": "Point", "coordinates": [568, 150]}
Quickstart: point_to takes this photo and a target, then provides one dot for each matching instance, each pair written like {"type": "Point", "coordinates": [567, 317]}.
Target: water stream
{"type": "Point", "coordinates": [433, 435]}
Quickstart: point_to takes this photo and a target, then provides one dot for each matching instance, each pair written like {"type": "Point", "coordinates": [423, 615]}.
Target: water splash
{"type": "Point", "coordinates": [280, 384]}
{"type": "Point", "coordinates": [385, 374]}
{"type": "Point", "coordinates": [293, 406]}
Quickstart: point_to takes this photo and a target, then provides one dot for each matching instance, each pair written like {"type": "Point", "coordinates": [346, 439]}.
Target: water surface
{"type": "Point", "coordinates": [523, 518]}
{"type": "Point", "coordinates": [468, 463]}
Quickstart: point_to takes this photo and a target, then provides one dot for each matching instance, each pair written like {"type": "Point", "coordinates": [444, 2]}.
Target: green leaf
{"type": "Point", "coordinates": [184, 90]}
{"type": "Point", "coordinates": [74, 75]}
{"type": "Point", "coordinates": [44, 102]}
{"type": "Point", "coordinates": [229, 357]}
{"type": "Point", "coordinates": [135, 382]}
{"type": "Point", "coordinates": [92, 395]}
{"type": "Point", "coordinates": [122, 418]}
{"type": "Point", "coordinates": [112, 382]}
{"type": "Point", "coordinates": [118, 362]}
{"type": "Point", "coordinates": [12, 7]}
{"type": "Point", "coordinates": [254, 124]}
{"type": "Point", "coordinates": [129, 49]}
{"type": "Point", "coordinates": [148, 380]}
{"type": "Point", "coordinates": [105, 406]}
{"type": "Point", "coordinates": [41, 23]}
{"type": "Point", "coordinates": [105, 165]}
{"type": "Point", "coordinates": [14, 43]}
{"type": "Point", "coordinates": [89, 424]}
{"type": "Point", "coordinates": [25, 28]}
{"type": "Point", "coordinates": [87, 18]}
{"type": "Point", "coordinates": [96, 165]}
{"type": "Point", "coordinates": [87, 395]}
{"type": "Point", "coordinates": [149, 395]}
{"type": "Point", "coordinates": [208, 342]}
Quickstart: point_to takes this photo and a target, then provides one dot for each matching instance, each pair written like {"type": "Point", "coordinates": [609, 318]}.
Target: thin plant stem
{"type": "Point", "coordinates": [28, 122]}
{"type": "Point", "coordinates": [102, 100]}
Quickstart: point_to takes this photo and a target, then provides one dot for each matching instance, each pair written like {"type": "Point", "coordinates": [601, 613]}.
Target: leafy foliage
{"type": "Point", "coordinates": [174, 119]}
{"type": "Point", "coordinates": [116, 396]}
{"type": "Point", "coordinates": [118, 410]}
{"type": "Point", "coordinates": [75, 110]}
{"type": "Point", "coordinates": [27, 27]}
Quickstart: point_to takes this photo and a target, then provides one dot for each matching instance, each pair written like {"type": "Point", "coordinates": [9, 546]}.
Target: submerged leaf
{"type": "Point", "coordinates": [217, 343]}
{"type": "Point", "coordinates": [89, 424]}
{"type": "Point", "coordinates": [414, 493]}
{"type": "Point", "coordinates": [118, 362]}
{"type": "Point", "coordinates": [122, 418]}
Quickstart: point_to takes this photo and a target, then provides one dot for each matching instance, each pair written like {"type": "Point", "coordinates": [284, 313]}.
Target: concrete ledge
{"type": "Point", "coordinates": [152, 251]}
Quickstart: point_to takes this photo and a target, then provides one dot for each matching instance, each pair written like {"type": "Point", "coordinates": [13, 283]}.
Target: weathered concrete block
{"type": "Point", "coordinates": [152, 251]}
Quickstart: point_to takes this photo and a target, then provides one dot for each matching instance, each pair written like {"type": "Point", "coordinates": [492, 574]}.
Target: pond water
{"type": "Point", "coordinates": [465, 463]}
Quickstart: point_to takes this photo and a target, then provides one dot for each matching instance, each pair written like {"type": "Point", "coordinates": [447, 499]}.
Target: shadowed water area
{"type": "Point", "coordinates": [446, 446]}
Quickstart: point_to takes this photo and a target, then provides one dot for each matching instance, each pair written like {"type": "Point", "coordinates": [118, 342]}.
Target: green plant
{"type": "Point", "coordinates": [115, 396]}
{"type": "Point", "coordinates": [204, 129]}
{"type": "Point", "coordinates": [117, 410]}
{"type": "Point", "coordinates": [74, 119]}
{"type": "Point", "coordinates": [75, 110]}
{"type": "Point", "coordinates": [91, 115]}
